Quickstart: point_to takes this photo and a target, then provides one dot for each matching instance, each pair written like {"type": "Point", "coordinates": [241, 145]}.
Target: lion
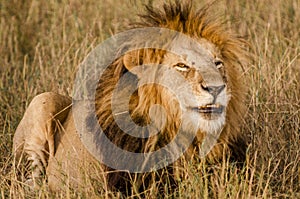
{"type": "Point", "coordinates": [47, 137]}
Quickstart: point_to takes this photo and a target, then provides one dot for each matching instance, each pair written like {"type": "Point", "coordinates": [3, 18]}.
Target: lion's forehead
{"type": "Point", "coordinates": [195, 52]}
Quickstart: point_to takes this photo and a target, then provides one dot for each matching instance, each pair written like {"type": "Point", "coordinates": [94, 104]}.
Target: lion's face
{"type": "Point", "coordinates": [202, 68]}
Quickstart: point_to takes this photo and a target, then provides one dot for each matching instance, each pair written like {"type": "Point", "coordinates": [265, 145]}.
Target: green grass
{"type": "Point", "coordinates": [43, 42]}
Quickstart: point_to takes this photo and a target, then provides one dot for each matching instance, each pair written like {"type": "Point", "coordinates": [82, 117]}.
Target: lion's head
{"type": "Point", "coordinates": [204, 72]}
{"type": "Point", "coordinates": [199, 68]}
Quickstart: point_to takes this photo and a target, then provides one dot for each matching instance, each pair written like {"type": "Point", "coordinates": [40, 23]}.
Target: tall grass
{"type": "Point", "coordinates": [43, 42]}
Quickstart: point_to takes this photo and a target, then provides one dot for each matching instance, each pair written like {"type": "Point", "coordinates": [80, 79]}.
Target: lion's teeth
{"type": "Point", "coordinates": [210, 106]}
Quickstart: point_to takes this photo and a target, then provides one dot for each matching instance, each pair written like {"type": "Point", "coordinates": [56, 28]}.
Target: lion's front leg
{"type": "Point", "coordinates": [34, 138]}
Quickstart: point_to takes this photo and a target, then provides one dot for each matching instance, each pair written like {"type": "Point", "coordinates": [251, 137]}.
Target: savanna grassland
{"type": "Point", "coordinates": [43, 42]}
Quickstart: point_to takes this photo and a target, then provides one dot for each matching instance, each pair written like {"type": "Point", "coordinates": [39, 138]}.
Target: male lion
{"type": "Point", "coordinates": [210, 63]}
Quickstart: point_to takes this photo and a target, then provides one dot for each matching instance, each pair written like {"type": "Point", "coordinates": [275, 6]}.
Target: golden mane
{"type": "Point", "coordinates": [197, 24]}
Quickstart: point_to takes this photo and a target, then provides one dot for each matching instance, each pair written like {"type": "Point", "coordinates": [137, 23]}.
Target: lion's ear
{"type": "Point", "coordinates": [132, 59]}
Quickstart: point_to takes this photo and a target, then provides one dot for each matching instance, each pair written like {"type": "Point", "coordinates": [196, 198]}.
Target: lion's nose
{"type": "Point", "coordinates": [213, 90]}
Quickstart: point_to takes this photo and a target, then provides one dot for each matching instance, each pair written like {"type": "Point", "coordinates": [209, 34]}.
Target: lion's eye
{"type": "Point", "coordinates": [182, 67]}
{"type": "Point", "coordinates": [219, 63]}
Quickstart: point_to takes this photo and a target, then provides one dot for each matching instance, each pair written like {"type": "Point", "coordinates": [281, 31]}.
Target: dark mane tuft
{"type": "Point", "coordinates": [176, 14]}
{"type": "Point", "coordinates": [180, 16]}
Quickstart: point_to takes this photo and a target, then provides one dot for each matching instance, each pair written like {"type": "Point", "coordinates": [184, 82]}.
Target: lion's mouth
{"type": "Point", "coordinates": [210, 109]}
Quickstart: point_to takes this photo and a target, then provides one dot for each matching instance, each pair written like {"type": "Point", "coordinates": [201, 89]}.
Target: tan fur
{"type": "Point", "coordinates": [70, 156]}
{"type": "Point", "coordinates": [36, 131]}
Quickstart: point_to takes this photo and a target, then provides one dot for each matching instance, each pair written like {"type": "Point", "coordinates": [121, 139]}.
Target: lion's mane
{"type": "Point", "coordinates": [183, 18]}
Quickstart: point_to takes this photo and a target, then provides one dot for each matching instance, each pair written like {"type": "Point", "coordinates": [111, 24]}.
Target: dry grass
{"type": "Point", "coordinates": [42, 43]}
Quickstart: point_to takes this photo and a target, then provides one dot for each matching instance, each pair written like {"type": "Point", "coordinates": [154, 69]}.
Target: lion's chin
{"type": "Point", "coordinates": [208, 122]}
